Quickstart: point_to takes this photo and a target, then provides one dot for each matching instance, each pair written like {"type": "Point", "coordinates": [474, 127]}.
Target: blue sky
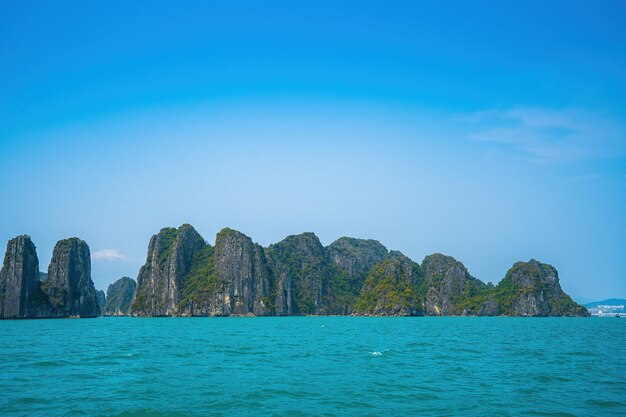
{"type": "Point", "coordinates": [490, 131]}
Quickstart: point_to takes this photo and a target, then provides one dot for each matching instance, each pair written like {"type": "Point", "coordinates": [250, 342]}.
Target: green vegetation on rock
{"type": "Point", "coordinates": [532, 289]}
{"type": "Point", "coordinates": [200, 283]}
{"type": "Point", "coordinates": [352, 260]}
{"type": "Point", "coordinates": [299, 276]}
{"type": "Point", "coordinates": [391, 289]}
{"type": "Point", "coordinates": [119, 297]}
{"type": "Point", "coordinates": [167, 237]}
{"type": "Point", "coordinates": [301, 266]}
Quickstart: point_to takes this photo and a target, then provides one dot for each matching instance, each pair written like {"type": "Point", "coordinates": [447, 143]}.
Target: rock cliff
{"type": "Point", "coordinates": [66, 290]}
{"type": "Point", "coordinates": [20, 288]}
{"type": "Point", "coordinates": [448, 288]}
{"type": "Point", "coordinates": [391, 289]}
{"type": "Point", "coordinates": [489, 308]}
{"type": "Point", "coordinates": [101, 296]}
{"type": "Point", "coordinates": [69, 287]}
{"type": "Point", "coordinates": [184, 275]}
{"type": "Point", "coordinates": [532, 289]}
{"type": "Point", "coordinates": [352, 260]}
{"type": "Point", "coordinates": [301, 270]}
{"type": "Point", "coordinates": [119, 297]}
{"type": "Point", "coordinates": [231, 278]}
{"type": "Point", "coordinates": [170, 255]}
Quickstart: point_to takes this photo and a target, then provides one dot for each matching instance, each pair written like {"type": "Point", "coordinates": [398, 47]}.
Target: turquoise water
{"type": "Point", "coordinates": [440, 366]}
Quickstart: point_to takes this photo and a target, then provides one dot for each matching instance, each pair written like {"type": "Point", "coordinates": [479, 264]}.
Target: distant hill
{"type": "Point", "coordinates": [610, 302]}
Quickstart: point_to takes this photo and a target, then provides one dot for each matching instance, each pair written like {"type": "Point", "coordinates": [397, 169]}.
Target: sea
{"type": "Point", "coordinates": [313, 366]}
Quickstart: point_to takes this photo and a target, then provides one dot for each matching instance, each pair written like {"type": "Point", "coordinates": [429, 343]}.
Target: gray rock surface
{"type": "Point", "coordinates": [448, 286]}
{"type": "Point", "coordinates": [101, 296]}
{"type": "Point", "coordinates": [184, 275]}
{"type": "Point", "coordinates": [391, 289]}
{"type": "Point", "coordinates": [170, 256]}
{"type": "Point", "coordinates": [20, 289]}
{"type": "Point", "coordinates": [238, 280]}
{"type": "Point", "coordinates": [302, 272]}
{"type": "Point", "coordinates": [352, 260]}
{"type": "Point", "coordinates": [120, 295]}
{"type": "Point", "coordinates": [69, 287]}
{"type": "Point", "coordinates": [489, 308]}
{"type": "Point", "coordinates": [243, 274]}
{"type": "Point", "coordinates": [532, 289]}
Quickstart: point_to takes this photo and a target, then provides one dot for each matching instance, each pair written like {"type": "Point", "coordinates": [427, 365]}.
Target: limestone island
{"type": "Point", "coordinates": [186, 276]}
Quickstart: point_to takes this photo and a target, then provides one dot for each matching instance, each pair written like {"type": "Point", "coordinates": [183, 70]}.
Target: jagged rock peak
{"type": "Point", "coordinates": [354, 242]}
{"type": "Point", "coordinates": [302, 273]}
{"type": "Point", "coordinates": [353, 256]}
{"type": "Point", "coordinates": [243, 278]}
{"type": "Point", "coordinates": [119, 297]}
{"type": "Point", "coordinates": [391, 289]}
{"type": "Point", "coordinates": [352, 259]}
{"type": "Point", "coordinates": [532, 289]}
{"type": "Point", "coordinates": [184, 275]}
{"type": "Point", "coordinates": [438, 262]}
{"type": "Point", "coordinates": [20, 292]}
{"type": "Point", "coordinates": [69, 287]}
{"type": "Point", "coordinates": [306, 241]}
{"type": "Point", "coordinates": [449, 287]}
{"type": "Point", "coordinates": [396, 254]}
{"type": "Point", "coordinates": [168, 239]}
{"type": "Point", "coordinates": [169, 259]}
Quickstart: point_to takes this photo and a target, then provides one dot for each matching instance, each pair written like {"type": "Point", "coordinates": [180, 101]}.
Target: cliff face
{"type": "Point", "coordinates": [448, 287]}
{"type": "Point", "coordinates": [230, 279]}
{"type": "Point", "coordinates": [356, 257]}
{"type": "Point", "coordinates": [101, 296]}
{"type": "Point", "coordinates": [352, 260]}
{"type": "Point", "coordinates": [533, 289]}
{"type": "Point", "coordinates": [242, 270]}
{"type": "Point", "coordinates": [20, 288]}
{"type": "Point", "coordinates": [66, 290]}
{"type": "Point", "coordinates": [183, 275]}
{"type": "Point", "coordinates": [119, 297]}
{"type": "Point", "coordinates": [301, 272]}
{"type": "Point", "coordinates": [69, 287]}
{"type": "Point", "coordinates": [489, 308]}
{"type": "Point", "coordinates": [170, 255]}
{"type": "Point", "coordinates": [391, 289]}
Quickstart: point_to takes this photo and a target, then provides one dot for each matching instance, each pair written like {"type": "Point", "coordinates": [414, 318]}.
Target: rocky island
{"type": "Point", "coordinates": [119, 296]}
{"type": "Point", "coordinates": [65, 291]}
{"type": "Point", "coordinates": [186, 276]}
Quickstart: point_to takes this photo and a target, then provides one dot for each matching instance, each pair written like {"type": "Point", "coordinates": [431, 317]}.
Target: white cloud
{"type": "Point", "coordinates": [108, 255]}
{"type": "Point", "coordinates": [547, 135]}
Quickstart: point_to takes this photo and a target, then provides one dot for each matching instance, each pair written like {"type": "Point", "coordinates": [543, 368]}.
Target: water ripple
{"type": "Point", "coordinates": [313, 366]}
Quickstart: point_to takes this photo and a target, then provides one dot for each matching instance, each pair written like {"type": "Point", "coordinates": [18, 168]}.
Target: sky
{"type": "Point", "coordinates": [493, 132]}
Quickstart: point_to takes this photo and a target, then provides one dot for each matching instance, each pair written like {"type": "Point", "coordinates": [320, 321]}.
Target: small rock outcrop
{"type": "Point", "coordinates": [391, 289]}
{"type": "Point", "coordinates": [69, 287]}
{"type": "Point", "coordinates": [532, 289]}
{"type": "Point", "coordinates": [170, 255]}
{"type": "Point", "coordinates": [20, 289]}
{"type": "Point", "coordinates": [448, 287]}
{"type": "Point", "coordinates": [119, 297]}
